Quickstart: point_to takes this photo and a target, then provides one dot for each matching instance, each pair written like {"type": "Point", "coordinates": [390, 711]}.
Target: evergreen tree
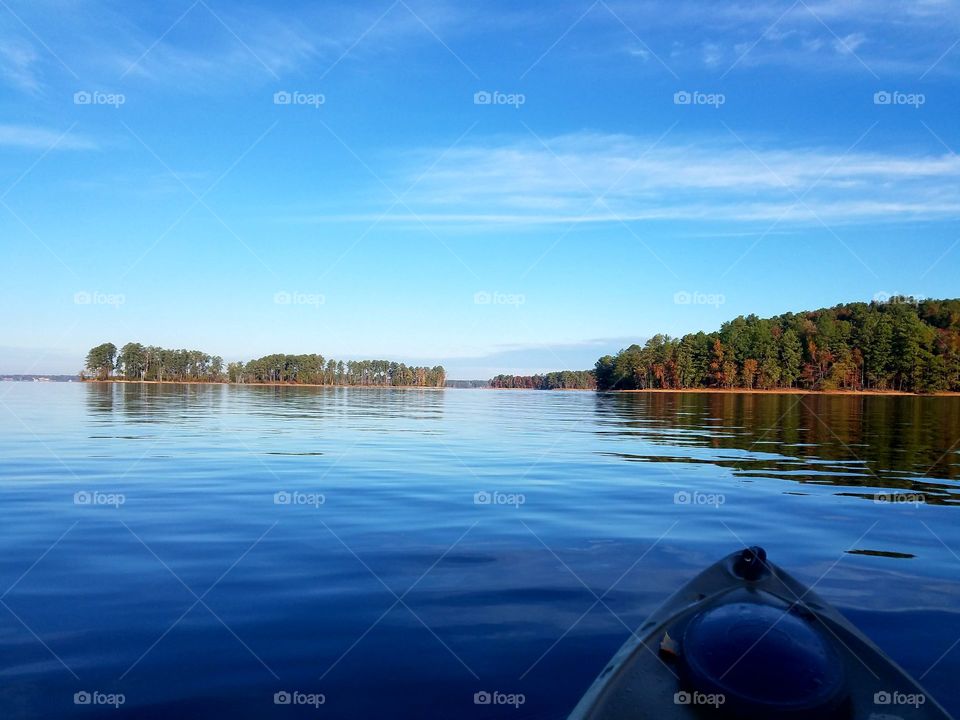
{"type": "Point", "coordinates": [100, 360]}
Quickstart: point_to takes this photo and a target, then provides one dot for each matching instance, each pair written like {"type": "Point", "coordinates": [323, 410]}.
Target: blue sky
{"type": "Point", "coordinates": [640, 167]}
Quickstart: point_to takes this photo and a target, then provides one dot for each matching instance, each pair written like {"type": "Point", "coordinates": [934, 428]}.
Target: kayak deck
{"type": "Point", "coordinates": [826, 668]}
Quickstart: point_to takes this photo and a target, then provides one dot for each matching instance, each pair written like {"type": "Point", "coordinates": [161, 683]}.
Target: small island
{"type": "Point", "coordinates": [135, 362]}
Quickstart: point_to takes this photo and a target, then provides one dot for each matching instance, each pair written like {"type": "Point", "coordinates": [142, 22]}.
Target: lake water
{"type": "Point", "coordinates": [380, 579]}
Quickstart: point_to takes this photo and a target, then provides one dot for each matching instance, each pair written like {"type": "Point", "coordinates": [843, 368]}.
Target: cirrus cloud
{"type": "Point", "coordinates": [602, 178]}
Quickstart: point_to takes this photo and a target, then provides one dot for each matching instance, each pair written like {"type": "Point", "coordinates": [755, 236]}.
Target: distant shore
{"type": "Point", "coordinates": [123, 381]}
{"type": "Point", "coordinates": [788, 391]}
{"type": "Point", "coordinates": [536, 389]}
{"type": "Point", "coordinates": [709, 391]}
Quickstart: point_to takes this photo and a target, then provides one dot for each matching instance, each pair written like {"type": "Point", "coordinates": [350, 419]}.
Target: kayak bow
{"type": "Point", "coordinates": [746, 640]}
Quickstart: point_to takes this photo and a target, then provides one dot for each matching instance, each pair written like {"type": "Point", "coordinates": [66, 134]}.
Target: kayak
{"type": "Point", "coordinates": [745, 640]}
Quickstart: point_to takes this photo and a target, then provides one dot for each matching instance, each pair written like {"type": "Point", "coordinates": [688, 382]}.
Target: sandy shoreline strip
{"type": "Point", "coordinates": [118, 381]}
{"type": "Point", "coordinates": [792, 391]}
{"type": "Point", "coordinates": [710, 391]}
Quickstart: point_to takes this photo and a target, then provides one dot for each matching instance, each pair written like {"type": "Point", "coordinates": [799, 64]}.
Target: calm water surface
{"type": "Point", "coordinates": [404, 592]}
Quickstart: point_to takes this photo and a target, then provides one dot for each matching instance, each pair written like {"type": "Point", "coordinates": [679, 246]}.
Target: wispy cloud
{"type": "Point", "coordinates": [18, 65]}
{"type": "Point", "coordinates": [209, 46]}
{"type": "Point", "coordinates": [824, 35]}
{"type": "Point", "coordinates": [27, 137]}
{"type": "Point", "coordinates": [206, 49]}
{"type": "Point", "coordinates": [202, 46]}
{"type": "Point", "coordinates": [595, 178]}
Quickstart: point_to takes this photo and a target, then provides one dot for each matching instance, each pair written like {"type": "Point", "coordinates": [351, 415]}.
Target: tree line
{"type": "Point", "coordinates": [902, 344]}
{"type": "Point", "coordinates": [316, 370]}
{"type": "Point", "coordinates": [148, 362]}
{"type": "Point", "coordinates": [139, 362]}
{"type": "Point", "coordinates": [562, 380]}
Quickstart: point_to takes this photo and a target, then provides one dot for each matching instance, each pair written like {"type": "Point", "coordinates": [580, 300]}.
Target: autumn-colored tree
{"type": "Point", "coordinates": [902, 344]}
{"type": "Point", "coordinates": [749, 372]}
{"type": "Point", "coordinates": [717, 364]}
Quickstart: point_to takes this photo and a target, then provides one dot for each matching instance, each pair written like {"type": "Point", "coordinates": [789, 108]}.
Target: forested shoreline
{"type": "Point", "coordinates": [561, 380]}
{"type": "Point", "coordinates": [901, 345]}
{"type": "Point", "coordinates": [148, 363]}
